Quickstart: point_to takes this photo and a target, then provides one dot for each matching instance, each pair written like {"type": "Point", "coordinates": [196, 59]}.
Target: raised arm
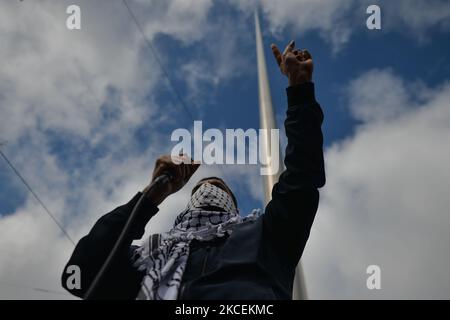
{"type": "Point", "coordinates": [92, 250]}
{"type": "Point", "coordinates": [290, 213]}
{"type": "Point", "coordinates": [122, 280]}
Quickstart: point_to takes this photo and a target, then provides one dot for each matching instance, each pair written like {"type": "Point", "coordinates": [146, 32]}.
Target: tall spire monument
{"type": "Point", "coordinates": [267, 121]}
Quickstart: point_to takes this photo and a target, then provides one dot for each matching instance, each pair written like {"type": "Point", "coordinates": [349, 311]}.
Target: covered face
{"type": "Point", "coordinates": [212, 198]}
{"type": "Point", "coordinates": [218, 183]}
{"type": "Point", "coordinates": [208, 203]}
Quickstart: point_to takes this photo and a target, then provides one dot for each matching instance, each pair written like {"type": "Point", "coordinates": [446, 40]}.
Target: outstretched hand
{"type": "Point", "coordinates": [296, 64]}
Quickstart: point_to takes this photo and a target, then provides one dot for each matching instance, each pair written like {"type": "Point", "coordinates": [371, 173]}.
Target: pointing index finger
{"type": "Point", "coordinates": [277, 54]}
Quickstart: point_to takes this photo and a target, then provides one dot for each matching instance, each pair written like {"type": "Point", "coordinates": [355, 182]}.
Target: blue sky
{"type": "Point", "coordinates": [234, 103]}
{"type": "Point", "coordinates": [86, 112]}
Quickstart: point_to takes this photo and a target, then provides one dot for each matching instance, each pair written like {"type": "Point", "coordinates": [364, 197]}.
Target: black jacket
{"type": "Point", "coordinates": [258, 260]}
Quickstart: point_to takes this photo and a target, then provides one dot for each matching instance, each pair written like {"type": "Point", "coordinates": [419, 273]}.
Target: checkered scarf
{"type": "Point", "coordinates": [210, 213]}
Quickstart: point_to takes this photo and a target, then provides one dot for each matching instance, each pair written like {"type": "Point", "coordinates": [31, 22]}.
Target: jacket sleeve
{"type": "Point", "coordinates": [122, 281]}
{"type": "Point", "coordinates": [290, 213]}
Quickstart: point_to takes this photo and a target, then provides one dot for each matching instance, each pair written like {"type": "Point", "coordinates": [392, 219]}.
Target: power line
{"type": "Point", "coordinates": [158, 60]}
{"type": "Point", "coordinates": [27, 185]}
{"type": "Point", "coordinates": [37, 197]}
{"type": "Point", "coordinates": [21, 286]}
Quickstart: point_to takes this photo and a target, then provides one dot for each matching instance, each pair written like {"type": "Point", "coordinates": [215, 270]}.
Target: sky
{"type": "Point", "coordinates": [85, 113]}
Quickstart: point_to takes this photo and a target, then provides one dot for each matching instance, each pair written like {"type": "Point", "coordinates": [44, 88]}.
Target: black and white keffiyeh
{"type": "Point", "coordinates": [210, 213]}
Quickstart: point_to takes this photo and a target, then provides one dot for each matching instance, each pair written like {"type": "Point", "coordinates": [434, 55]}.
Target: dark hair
{"type": "Point", "coordinates": [221, 180]}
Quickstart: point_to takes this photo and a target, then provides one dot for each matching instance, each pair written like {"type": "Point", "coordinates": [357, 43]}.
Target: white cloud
{"type": "Point", "coordinates": [418, 17]}
{"type": "Point", "coordinates": [88, 90]}
{"type": "Point", "coordinates": [56, 82]}
{"type": "Point", "coordinates": [385, 202]}
{"type": "Point", "coordinates": [184, 20]}
{"type": "Point", "coordinates": [57, 79]}
{"type": "Point", "coordinates": [378, 95]}
{"type": "Point", "coordinates": [336, 21]}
